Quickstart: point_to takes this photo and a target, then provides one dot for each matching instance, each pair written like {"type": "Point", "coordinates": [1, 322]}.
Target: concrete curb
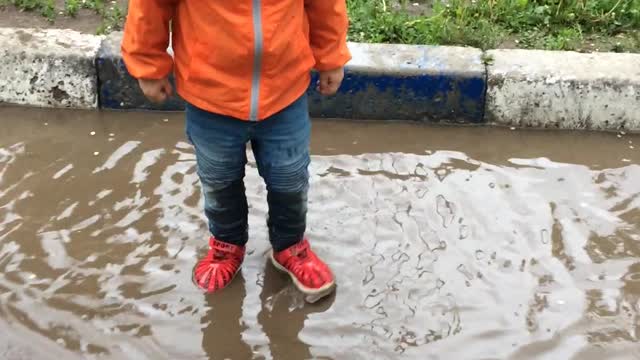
{"type": "Point", "coordinates": [62, 68]}
{"type": "Point", "coordinates": [52, 68]}
{"type": "Point", "coordinates": [565, 90]}
{"type": "Point", "coordinates": [118, 90]}
{"type": "Point", "coordinates": [382, 82]}
{"type": "Point", "coordinates": [424, 83]}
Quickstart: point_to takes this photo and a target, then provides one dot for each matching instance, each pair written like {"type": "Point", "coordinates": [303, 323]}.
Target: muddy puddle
{"type": "Point", "coordinates": [448, 243]}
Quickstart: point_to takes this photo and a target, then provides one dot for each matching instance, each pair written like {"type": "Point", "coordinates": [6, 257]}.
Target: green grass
{"type": "Point", "coordinates": [113, 19]}
{"type": "Point", "coordinates": [46, 8]}
{"type": "Point", "coordinates": [112, 15]}
{"type": "Point", "coordinates": [547, 24]}
{"type": "Point", "coordinates": [588, 25]}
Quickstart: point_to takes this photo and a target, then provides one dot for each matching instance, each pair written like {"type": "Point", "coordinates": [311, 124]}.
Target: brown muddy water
{"type": "Point", "coordinates": [448, 243]}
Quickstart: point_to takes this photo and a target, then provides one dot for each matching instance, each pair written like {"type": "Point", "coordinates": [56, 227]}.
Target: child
{"type": "Point", "coordinates": [243, 67]}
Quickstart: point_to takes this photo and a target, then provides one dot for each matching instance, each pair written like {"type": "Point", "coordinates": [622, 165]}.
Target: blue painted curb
{"type": "Point", "coordinates": [400, 82]}
{"type": "Point", "coordinates": [385, 82]}
{"type": "Point", "coordinates": [116, 88]}
{"type": "Point", "coordinates": [418, 97]}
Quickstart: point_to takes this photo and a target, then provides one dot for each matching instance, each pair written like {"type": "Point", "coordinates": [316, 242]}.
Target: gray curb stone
{"type": "Point", "coordinates": [569, 90]}
{"type": "Point", "coordinates": [48, 68]}
{"type": "Point", "coordinates": [528, 88]}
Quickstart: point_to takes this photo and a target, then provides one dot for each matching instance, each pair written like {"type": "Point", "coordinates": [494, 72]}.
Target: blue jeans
{"type": "Point", "coordinates": [281, 148]}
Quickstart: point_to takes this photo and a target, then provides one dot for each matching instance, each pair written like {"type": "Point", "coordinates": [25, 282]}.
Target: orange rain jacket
{"type": "Point", "coordinates": [247, 59]}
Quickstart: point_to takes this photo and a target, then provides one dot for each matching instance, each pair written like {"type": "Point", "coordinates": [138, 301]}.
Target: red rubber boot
{"type": "Point", "coordinates": [309, 274]}
{"type": "Point", "coordinates": [216, 270]}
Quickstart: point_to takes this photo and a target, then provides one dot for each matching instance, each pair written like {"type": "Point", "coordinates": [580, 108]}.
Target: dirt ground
{"type": "Point", "coordinates": [86, 21]}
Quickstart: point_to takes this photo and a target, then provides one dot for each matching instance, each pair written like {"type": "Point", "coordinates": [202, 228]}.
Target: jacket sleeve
{"type": "Point", "coordinates": [146, 38]}
{"type": "Point", "coordinates": [328, 25]}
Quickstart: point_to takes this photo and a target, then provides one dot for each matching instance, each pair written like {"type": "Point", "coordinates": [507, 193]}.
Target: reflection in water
{"type": "Point", "coordinates": [438, 256]}
{"type": "Point", "coordinates": [283, 315]}
{"type": "Point", "coordinates": [222, 331]}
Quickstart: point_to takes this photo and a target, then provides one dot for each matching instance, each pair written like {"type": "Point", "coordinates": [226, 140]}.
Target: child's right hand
{"type": "Point", "coordinates": [157, 91]}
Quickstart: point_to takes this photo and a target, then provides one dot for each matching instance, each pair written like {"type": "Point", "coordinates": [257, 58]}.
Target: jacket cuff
{"type": "Point", "coordinates": [335, 60]}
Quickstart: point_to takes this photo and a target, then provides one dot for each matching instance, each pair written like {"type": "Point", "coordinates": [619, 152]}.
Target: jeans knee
{"type": "Point", "coordinates": [219, 173]}
{"type": "Point", "coordinates": [212, 191]}
{"type": "Point", "coordinates": [293, 179]}
{"type": "Point", "coordinates": [221, 196]}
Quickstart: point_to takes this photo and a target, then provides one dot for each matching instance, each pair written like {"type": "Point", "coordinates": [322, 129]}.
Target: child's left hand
{"type": "Point", "coordinates": [330, 81]}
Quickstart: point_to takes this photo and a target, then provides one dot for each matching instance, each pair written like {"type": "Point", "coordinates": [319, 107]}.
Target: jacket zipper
{"type": "Point", "coordinates": [257, 60]}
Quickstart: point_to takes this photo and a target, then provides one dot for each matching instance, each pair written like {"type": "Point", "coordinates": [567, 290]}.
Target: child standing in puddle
{"type": "Point", "coordinates": [243, 67]}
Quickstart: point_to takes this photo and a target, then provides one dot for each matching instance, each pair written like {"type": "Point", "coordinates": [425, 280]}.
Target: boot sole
{"type": "Point", "coordinates": [311, 295]}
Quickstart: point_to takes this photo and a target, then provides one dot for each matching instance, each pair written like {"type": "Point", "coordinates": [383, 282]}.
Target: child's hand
{"type": "Point", "coordinates": [330, 81]}
{"type": "Point", "coordinates": [157, 91]}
